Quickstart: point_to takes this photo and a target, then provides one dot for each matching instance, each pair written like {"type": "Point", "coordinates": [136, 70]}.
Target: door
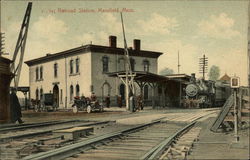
{"type": "Point", "coordinates": [56, 96]}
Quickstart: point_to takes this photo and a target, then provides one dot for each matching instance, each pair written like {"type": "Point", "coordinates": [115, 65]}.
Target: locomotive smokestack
{"type": "Point", "coordinates": [193, 77]}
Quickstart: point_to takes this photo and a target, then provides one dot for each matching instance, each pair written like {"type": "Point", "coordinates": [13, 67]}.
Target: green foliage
{"type": "Point", "coordinates": [214, 73]}
{"type": "Point", "coordinates": [166, 71]}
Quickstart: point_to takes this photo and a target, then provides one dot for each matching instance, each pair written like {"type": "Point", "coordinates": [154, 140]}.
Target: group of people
{"type": "Point", "coordinates": [93, 98]}
{"type": "Point", "coordinates": [16, 114]}
{"type": "Point", "coordinates": [139, 102]}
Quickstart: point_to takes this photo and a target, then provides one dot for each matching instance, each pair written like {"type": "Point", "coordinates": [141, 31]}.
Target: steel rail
{"type": "Point", "coordinates": [76, 148]}
{"type": "Point", "coordinates": [19, 125]}
{"type": "Point", "coordinates": [49, 131]}
{"type": "Point", "coordinates": [37, 125]}
{"type": "Point", "coordinates": [158, 149]}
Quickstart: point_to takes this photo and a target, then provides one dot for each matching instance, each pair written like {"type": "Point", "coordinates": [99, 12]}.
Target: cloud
{"type": "Point", "coordinates": [100, 38]}
{"type": "Point", "coordinates": [220, 26]}
{"type": "Point", "coordinates": [157, 23]}
{"type": "Point", "coordinates": [189, 55]}
{"type": "Point", "coordinates": [49, 28]}
{"type": "Point", "coordinates": [233, 61]}
{"type": "Point", "coordinates": [110, 23]}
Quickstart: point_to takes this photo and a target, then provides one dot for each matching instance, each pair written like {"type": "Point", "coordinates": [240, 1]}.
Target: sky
{"type": "Point", "coordinates": [217, 29]}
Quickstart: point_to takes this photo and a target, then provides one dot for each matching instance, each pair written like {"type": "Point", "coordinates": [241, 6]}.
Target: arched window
{"type": "Point", "coordinates": [37, 73]}
{"type": "Point", "coordinates": [105, 64]}
{"type": "Point", "coordinates": [37, 94]}
{"type": "Point", "coordinates": [145, 92]}
{"type": "Point", "coordinates": [71, 67]}
{"type": "Point", "coordinates": [146, 65]}
{"type": "Point", "coordinates": [55, 70]}
{"type": "Point", "coordinates": [77, 90]}
{"type": "Point", "coordinates": [132, 64]}
{"type": "Point", "coordinates": [77, 65]}
{"type": "Point", "coordinates": [71, 89]}
{"type": "Point", "coordinates": [41, 72]}
{"type": "Point", "coordinates": [41, 93]}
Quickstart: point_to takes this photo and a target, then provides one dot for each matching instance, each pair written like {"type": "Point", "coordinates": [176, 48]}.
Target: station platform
{"type": "Point", "coordinates": [212, 145]}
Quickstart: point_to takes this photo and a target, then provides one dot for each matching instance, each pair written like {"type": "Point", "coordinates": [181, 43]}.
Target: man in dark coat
{"type": "Point", "coordinates": [107, 100]}
{"type": "Point", "coordinates": [15, 107]}
{"type": "Point", "coordinates": [119, 101]}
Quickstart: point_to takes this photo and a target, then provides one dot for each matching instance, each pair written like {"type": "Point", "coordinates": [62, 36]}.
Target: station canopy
{"type": "Point", "coordinates": [141, 76]}
{"type": "Point", "coordinates": [183, 78]}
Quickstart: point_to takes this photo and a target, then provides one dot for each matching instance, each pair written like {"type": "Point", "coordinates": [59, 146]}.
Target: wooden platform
{"type": "Point", "coordinates": [74, 133]}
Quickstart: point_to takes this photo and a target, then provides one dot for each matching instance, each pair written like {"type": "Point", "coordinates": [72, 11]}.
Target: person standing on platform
{"type": "Point", "coordinates": [93, 97]}
{"type": "Point", "coordinates": [107, 100]}
{"type": "Point", "coordinates": [140, 102]}
{"type": "Point", "coordinates": [15, 107]}
{"type": "Point", "coordinates": [119, 101]}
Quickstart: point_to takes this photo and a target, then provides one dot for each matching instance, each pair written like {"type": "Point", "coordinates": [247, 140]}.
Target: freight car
{"type": "Point", "coordinates": [202, 93]}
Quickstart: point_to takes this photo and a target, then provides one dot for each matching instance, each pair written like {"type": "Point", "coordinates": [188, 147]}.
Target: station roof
{"type": "Point", "coordinates": [184, 78]}
{"type": "Point", "coordinates": [93, 48]}
{"type": "Point", "coordinates": [141, 76]}
{"type": "Point", "coordinates": [5, 60]}
{"type": "Point", "coordinates": [225, 78]}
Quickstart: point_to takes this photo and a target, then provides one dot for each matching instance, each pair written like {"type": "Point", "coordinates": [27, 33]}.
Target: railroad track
{"type": "Point", "coordinates": [10, 134]}
{"type": "Point", "coordinates": [146, 141]}
{"type": "Point", "coordinates": [15, 127]}
{"type": "Point", "coordinates": [26, 142]}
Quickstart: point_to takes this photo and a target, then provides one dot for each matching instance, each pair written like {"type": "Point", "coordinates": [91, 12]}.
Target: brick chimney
{"type": "Point", "coordinates": [137, 44]}
{"type": "Point", "coordinates": [112, 41]}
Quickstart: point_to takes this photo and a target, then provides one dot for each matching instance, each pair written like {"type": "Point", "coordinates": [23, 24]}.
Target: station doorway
{"type": "Point", "coordinates": [56, 95]}
{"type": "Point", "coordinates": [122, 91]}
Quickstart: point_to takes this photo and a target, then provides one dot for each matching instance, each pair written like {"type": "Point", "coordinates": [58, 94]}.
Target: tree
{"type": "Point", "coordinates": [214, 73]}
{"type": "Point", "coordinates": [166, 71]}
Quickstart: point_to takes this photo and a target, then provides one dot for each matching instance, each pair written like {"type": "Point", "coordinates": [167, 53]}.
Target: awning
{"type": "Point", "coordinates": [141, 76]}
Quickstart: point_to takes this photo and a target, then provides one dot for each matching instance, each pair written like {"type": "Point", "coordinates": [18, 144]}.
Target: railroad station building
{"type": "Point", "coordinates": [83, 70]}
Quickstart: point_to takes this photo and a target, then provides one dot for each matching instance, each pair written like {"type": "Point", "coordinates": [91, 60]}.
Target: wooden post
{"type": "Point", "coordinates": [163, 95]}
{"type": "Point", "coordinates": [240, 107]}
{"type": "Point", "coordinates": [180, 97]}
{"type": "Point", "coordinates": [235, 116]}
{"type": "Point", "coordinates": [153, 86]}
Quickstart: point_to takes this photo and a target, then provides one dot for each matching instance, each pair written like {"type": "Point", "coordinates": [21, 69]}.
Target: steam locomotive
{"type": "Point", "coordinates": [202, 93]}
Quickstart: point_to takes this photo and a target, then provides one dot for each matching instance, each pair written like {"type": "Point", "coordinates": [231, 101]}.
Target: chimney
{"type": "Point", "coordinates": [137, 44]}
{"type": "Point", "coordinates": [112, 41]}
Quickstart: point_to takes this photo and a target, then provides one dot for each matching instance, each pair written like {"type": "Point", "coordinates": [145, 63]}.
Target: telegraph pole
{"type": "Point", "coordinates": [1, 43]}
{"type": "Point", "coordinates": [203, 65]}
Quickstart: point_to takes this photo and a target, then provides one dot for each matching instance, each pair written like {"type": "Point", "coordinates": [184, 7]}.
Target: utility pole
{"type": "Point", "coordinates": [1, 43]}
{"type": "Point", "coordinates": [129, 78]}
{"type": "Point", "coordinates": [178, 63]}
{"type": "Point", "coordinates": [203, 65]}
